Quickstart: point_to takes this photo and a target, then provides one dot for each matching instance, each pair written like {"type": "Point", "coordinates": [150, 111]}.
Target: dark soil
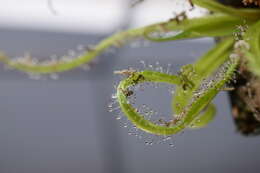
{"type": "Point", "coordinates": [237, 3]}
{"type": "Point", "coordinates": [245, 101]}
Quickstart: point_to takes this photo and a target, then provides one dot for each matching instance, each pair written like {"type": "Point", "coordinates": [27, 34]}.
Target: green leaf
{"type": "Point", "coordinates": [245, 13]}
{"type": "Point", "coordinates": [132, 114]}
{"type": "Point", "coordinates": [204, 118]}
{"type": "Point", "coordinates": [209, 26]}
{"type": "Point", "coordinates": [209, 89]}
{"type": "Point", "coordinates": [252, 37]}
{"type": "Point", "coordinates": [204, 67]}
{"type": "Point", "coordinates": [63, 65]}
{"type": "Point", "coordinates": [199, 101]}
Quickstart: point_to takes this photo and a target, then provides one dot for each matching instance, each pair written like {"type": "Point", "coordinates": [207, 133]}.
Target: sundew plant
{"type": "Point", "coordinates": [237, 30]}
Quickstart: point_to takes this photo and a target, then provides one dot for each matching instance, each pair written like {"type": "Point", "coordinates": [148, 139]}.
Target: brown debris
{"type": "Point", "coordinates": [254, 2]}
{"type": "Point", "coordinates": [126, 72]}
{"type": "Point", "coordinates": [245, 100]}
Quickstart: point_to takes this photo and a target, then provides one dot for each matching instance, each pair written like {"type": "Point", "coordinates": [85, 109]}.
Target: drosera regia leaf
{"type": "Point", "coordinates": [207, 91]}
{"type": "Point", "coordinates": [252, 37]}
{"type": "Point", "coordinates": [188, 28]}
{"type": "Point", "coordinates": [207, 26]}
{"type": "Point", "coordinates": [28, 65]}
{"type": "Point", "coordinates": [202, 69]}
{"type": "Point", "coordinates": [137, 119]}
{"type": "Point", "coordinates": [204, 118]}
{"type": "Point", "coordinates": [46, 67]}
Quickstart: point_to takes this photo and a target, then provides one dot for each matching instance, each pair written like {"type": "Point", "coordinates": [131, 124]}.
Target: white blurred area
{"type": "Point", "coordinates": [84, 16]}
{"type": "Point", "coordinates": [151, 11]}
{"type": "Point", "coordinates": [87, 16]}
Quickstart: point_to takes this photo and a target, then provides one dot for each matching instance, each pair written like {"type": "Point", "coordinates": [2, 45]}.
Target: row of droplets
{"type": "Point", "coordinates": [70, 56]}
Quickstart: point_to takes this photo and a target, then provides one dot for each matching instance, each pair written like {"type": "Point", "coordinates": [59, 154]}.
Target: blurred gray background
{"type": "Point", "coordinates": [63, 126]}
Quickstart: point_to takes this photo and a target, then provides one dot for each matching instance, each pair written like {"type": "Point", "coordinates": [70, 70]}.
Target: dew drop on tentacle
{"type": "Point", "coordinates": [118, 117]}
{"type": "Point", "coordinates": [150, 67]}
{"type": "Point", "coordinates": [54, 76]}
{"type": "Point", "coordinates": [50, 63]}
{"type": "Point", "coordinates": [81, 47]}
{"type": "Point", "coordinates": [168, 70]}
{"type": "Point", "coordinates": [163, 34]}
{"type": "Point", "coordinates": [34, 76]}
{"type": "Point", "coordinates": [139, 43]}
{"type": "Point", "coordinates": [113, 96]}
{"type": "Point", "coordinates": [143, 63]}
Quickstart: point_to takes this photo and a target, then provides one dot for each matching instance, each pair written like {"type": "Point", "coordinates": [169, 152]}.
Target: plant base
{"type": "Point", "coordinates": [245, 100]}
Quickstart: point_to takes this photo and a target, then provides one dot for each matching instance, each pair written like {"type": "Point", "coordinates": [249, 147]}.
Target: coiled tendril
{"type": "Point", "coordinates": [201, 97]}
